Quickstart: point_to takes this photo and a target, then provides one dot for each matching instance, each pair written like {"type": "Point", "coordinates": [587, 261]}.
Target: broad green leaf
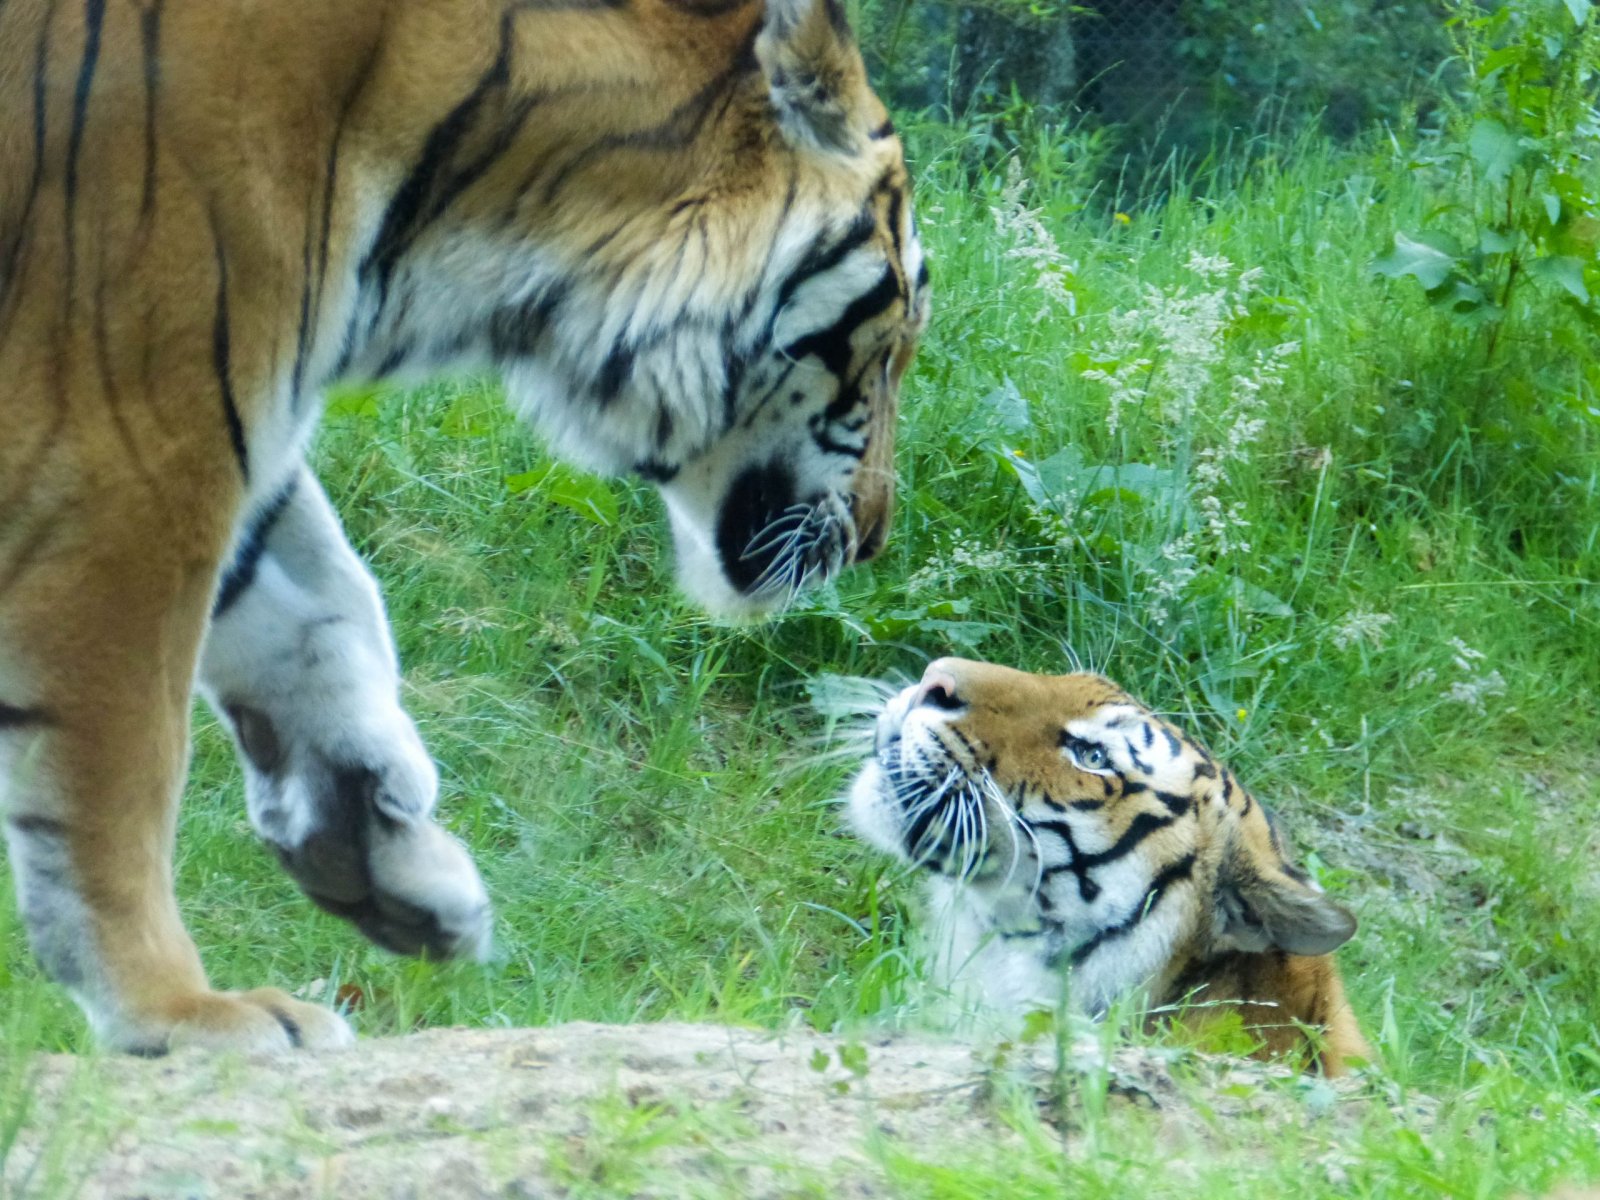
{"type": "Point", "coordinates": [967, 634]}
{"type": "Point", "coordinates": [1457, 295]}
{"type": "Point", "coordinates": [1061, 472]}
{"type": "Point", "coordinates": [1428, 257]}
{"type": "Point", "coordinates": [559, 484]}
{"type": "Point", "coordinates": [1464, 300]}
{"type": "Point", "coordinates": [1579, 10]}
{"type": "Point", "coordinates": [1136, 479]}
{"type": "Point", "coordinates": [1009, 409]}
{"type": "Point", "coordinates": [360, 400]}
{"type": "Point", "coordinates": [1028, 476]}
{"type": "Point", "coordinates": [1571, 189]}
{"type": "Point", "coordinates": [1494, 148]}
{"type": "Point", "coordinates": [1051, 481]}
{"type": "Point", "coordinates": [1495, 242]}
{"type": "Point", "coordinates": [1552, 207]}
{"type": "Point", "coordinates": [1248, 598]}
{"type": "Point", "coordinates": [891, 626]}
{"type": "Point", "coordinates": [469, 416]}
{"type": "Point", "coordinates": [1564, 272]}
{"type": "Point", "coordinates": [897, 623]}
{"type": "Point", "coordinates": [1499, 59]}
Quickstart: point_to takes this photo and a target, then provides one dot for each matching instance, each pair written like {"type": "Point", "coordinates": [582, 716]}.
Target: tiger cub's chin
{"type": "Point", "coordinates": [1080, 849]}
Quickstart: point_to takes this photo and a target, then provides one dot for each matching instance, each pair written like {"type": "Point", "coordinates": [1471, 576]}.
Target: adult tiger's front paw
{"type": "Point", "coordinates": [404, 882]}
{"type": "Point", "coordinates": [263, 1021]}
{"type": "Point", "coordinates": [349, 814]}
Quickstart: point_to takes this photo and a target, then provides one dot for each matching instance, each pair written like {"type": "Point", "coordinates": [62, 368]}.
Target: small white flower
{"type": "Point", "coordinates": [964, 558]}
{"type": "Point", "coordinates": [1168, 355]}
{"type": "Point", "coordinates": [1028, 240]}
{"type": "Point", "coordinates": [1361, 626]}
{"type": "Point", "coordinates": [1465, 655]}
{"type": "Point", "coordinates": [1208, 268]}
{"type": "Point", "coordinates": [1473, 692]}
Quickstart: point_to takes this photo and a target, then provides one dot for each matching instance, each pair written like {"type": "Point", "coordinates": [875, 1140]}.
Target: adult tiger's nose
{"type": "Point", "coordinates": [871, 540]}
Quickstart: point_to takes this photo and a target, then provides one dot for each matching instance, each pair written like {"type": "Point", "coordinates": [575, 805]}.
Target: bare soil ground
{"type": "Point", "coordinates": [576, 1110]}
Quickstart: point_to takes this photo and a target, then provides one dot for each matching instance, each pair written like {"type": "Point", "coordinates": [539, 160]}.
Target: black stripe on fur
{"type": "Point", "coordinates": [150, 44]}
{"type": "Point", "coordinates": [37, 826]}
{"type": "Point", "coordinates": [437, 179]}
{"type": "Point", "coordinates": [1171, 874]}
{"type": "Point", "coordinates": [15, 716]}
{"type": "Point", "coordinates": [222, 355]}
{"type": "Point", "coordinates": [241, 572]}
{"type": "Point", "coordinates": [94, 14]}
{"type": "Point", "coordinates": [19, 238]}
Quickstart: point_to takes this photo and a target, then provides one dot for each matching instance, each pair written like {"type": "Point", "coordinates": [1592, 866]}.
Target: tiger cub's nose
{"type": "Point", "coordinates": [937, 689]}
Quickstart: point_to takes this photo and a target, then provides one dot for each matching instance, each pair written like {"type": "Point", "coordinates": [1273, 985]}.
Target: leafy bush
{"type": "Point", "coordinates": [1510, 251]}
{"type": "Point", "coordinates": [1354, 62]}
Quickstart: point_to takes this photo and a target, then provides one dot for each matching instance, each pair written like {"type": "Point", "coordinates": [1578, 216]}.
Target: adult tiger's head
{"type": "Point", "coordinates": [1067, 826]}
{"type": "Point", "coordinates": [687, 242]}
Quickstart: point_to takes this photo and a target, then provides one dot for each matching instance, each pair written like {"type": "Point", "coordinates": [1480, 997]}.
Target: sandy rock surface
{"type": "Point", "coordinates": [650, 1110]}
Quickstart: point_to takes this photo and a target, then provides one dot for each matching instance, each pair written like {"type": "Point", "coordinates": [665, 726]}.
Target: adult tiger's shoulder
{"type": "Point", "coordinates": [680, 230]}
{"type": "Point", "coordinates": [1076, 840]}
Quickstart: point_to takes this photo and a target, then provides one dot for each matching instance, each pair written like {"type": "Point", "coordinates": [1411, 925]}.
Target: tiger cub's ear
{"type": "Point", "coordinates": [814, 74]}
{"type": "Point", "coordinates": [1260, 906]}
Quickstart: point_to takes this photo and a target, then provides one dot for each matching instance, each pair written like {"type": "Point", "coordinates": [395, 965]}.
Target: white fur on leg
{"type": "Point", "coordinates": [302, 667]}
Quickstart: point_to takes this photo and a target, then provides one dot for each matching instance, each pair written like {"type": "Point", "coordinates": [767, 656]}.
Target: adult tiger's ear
{"type": "Point", "coordinates": [1260, 906]}
{"type": "Point", "coordinates": [814, 74]}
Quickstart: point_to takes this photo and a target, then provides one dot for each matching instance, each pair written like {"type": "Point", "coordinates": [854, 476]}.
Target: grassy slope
{"type": "Point", "coordinates": [638, 784]}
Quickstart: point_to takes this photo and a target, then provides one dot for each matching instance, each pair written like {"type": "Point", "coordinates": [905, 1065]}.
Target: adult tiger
{"type": "Point", "coordinates": [1074, 839]}
{"type": "Point", "coordinates": [680, 229]}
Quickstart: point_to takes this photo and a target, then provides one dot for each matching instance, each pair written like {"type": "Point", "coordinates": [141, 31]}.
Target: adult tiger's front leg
{"type": "Point", "coordinates": [300, 665]}
{"type": "Point", "coordinates": [102, 608]}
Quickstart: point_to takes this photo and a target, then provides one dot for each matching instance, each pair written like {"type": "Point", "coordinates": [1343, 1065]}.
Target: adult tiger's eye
{"type": "Point", "coordinates": [1092, 757]}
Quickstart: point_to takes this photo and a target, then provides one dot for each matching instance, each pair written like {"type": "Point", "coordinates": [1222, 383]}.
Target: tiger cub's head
{"type": "Point", "coordinates": [1085, 832]}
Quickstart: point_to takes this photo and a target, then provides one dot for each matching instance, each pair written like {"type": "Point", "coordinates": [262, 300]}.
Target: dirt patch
{"type": "Point", "coordinates": [658, 1110]}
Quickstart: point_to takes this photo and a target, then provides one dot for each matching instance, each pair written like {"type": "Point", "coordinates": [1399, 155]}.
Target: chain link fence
{"type": "Point", "coordinates": [1183, 66]}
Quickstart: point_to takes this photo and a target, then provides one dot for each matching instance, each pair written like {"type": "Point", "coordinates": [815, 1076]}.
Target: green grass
{"type": "Point", "coordinates": [642, 787]}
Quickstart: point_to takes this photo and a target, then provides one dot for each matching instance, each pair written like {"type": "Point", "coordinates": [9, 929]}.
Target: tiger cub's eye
{"type": "Point", "coordinates": [1084, 754]}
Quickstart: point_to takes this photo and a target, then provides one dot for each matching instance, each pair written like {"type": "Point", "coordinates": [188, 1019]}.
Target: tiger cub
{"type": "Point", "coordinates": [1075, 840]}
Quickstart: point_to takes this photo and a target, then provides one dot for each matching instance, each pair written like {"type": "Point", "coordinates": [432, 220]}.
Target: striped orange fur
{"type": "Point", "coordinates": [681, 232]}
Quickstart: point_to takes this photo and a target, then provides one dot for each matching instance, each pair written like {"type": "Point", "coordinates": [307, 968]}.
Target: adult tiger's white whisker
{"type": "Point", "coordinates": [797, 562]}
{"type": "Point", "coordinates": [791, 549]}
{"type": "Point", "coordinates": [774, 539]}
{"type": "Point", "coordinates": [796, 515]}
